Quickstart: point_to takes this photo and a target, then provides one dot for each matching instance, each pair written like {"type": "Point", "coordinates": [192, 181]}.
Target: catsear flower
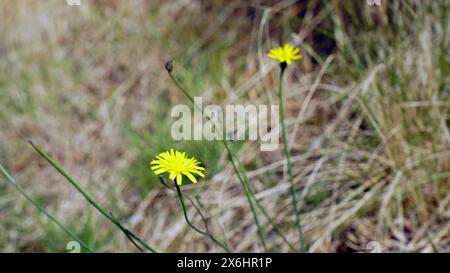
{"type": "Point", "coordinates": [177, 164]}
{"type": "Point", "coordinates": [285, 54]}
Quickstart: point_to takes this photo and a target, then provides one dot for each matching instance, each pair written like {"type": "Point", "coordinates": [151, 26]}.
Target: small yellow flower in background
{"type": "Point", "coordinates": [285, 54]}
{"type": "Point", "coordinates": [177, 164]}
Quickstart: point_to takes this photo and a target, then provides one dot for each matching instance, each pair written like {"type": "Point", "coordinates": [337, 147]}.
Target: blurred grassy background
{"type": "Point", "coordinates": [367, 114]}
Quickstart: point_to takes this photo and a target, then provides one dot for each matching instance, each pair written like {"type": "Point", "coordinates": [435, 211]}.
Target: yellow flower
{"type": "Point", "coordinates": [285, 54]}
{"type": "Point", "coordinates": [177, 164]}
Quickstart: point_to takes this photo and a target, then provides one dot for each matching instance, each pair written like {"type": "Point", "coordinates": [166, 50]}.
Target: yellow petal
{"type": "Point", "coordinates": [172, 175]}
{"type": "Point", "coordinates": [197, 173]}
{"type": "Point", "coordinates": [191, 177]}
{"type": "Point", "coordinates": [272, 55]}
{"type": "Point", "coordinates": [179, 179]}
{"type": "Point", "coordinates": [160, 171]}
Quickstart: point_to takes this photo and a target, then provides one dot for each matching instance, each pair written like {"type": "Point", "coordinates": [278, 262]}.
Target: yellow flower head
{"type": "Point", "coordinates": [177, 164]}
{"type": "Point", "coordinates": [285, 54]}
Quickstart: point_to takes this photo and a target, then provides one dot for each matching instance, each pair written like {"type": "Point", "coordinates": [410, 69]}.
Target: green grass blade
{"type": "Point", "coordinates": [41, 209]}
{"type": "Point", "coordinates": [132, 237]}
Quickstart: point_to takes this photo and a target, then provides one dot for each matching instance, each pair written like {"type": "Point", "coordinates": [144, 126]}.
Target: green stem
{"type": "Point", "coordinates": [242, 178]}
{"type": "Point", "coordinates": [248, 190]}
{"type": "Point", "coordinates": [289, 163]}
{"type": "Point", "coordinates": [40, 208]}
{"type": "Point", "coordinates": [111, 218]}
{"type": "Point", "coordinates": [206, 233]}
{"type": "Point", "coordinates": [244, 182]}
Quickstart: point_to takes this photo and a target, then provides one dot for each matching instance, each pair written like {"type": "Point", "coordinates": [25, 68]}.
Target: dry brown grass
{"type": "Point", "coordinates": [367, 114]}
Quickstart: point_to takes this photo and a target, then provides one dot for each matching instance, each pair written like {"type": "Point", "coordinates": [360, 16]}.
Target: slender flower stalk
{"type": "Point", "coordinates": [233, 158]}
{"type": "Point", "coordinates": [177, 164]}
{"type": "Point", "coordinates": [197, 208]}
{"type": "Point", "coordinates": [242, 176]}
{"type": "Point", "coordinates": [285, 55]}
{"type": "Point", "coordinates": [40, 208]}
{"type": "Point", "coordinates": [240, 171]}
{"type": "Point", "coordinates": [206, 233]}
{"type": "Point", "coordinates": [131, 236]}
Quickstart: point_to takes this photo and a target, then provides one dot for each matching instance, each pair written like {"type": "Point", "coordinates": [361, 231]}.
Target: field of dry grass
{"type": "Point", "coordinates": [367, 121]}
